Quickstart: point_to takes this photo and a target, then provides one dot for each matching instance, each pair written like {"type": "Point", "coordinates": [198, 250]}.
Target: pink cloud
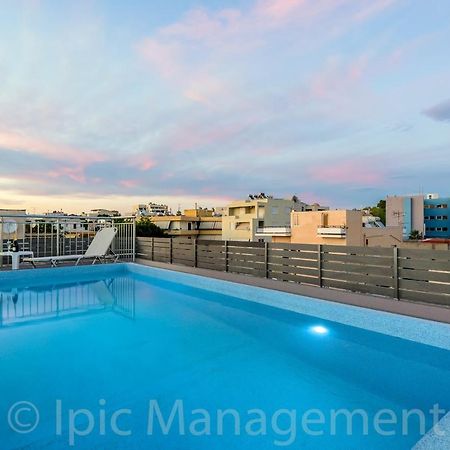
{"type": "Point", "coordinates": [163, 56]}
{"type": "Point", "coordinates": [61, 152]}
{"type": "Point", "coordinates": [348, 172]}
{"type": "Point", "coordinates": [190, 54]}
{"type": "Point", "coordinates": [143, 162]}
{"type": "Point", "coordinates": [74, 173]}
{"type": "Point", "coordinates": [278, 9]}
{"type": "Point", "coordinates": [372, 8]}
{"type": "Point", "coordinates": [128, 183]}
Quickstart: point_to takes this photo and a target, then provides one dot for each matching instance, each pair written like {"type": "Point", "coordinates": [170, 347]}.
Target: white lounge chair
{"type": "Point", "coordinates": [97, 250]}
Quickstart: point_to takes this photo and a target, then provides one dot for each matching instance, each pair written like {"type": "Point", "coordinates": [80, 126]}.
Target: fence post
{"type": "Point", "coordinates": [195, 252]}
{"type": "Point", "coordinates": [319, 263]}
{"type": "Point", "coordinates": [226, 256]}
{"type": "Point", "coordinates": [153, 248]}
{"type": "Point", "coordinates": [133, 237]}
{"type": "Point", "coordinates": [57, 238]}
{"type": "Point", "coordinates": [266, 259]}
{"type": "Point", "coordinates": [170, 251]}
{"type": "Point", "coordinates": [395, 274]}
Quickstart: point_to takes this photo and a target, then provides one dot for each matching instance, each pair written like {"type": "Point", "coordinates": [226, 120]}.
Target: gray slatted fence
{"type": "Point", "coordinates": [415, 275]}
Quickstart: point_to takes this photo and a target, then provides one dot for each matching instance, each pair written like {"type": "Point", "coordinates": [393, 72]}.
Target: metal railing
{"type": "Point", "coordinates": [65, 235]}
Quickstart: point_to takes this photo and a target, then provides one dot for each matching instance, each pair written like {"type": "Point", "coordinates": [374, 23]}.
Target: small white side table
{"type": "Point", "coordinates": [15, 257]}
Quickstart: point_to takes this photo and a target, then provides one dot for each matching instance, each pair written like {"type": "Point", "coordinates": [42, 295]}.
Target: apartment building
{"type": "Point", "coordinates": [151, 209]}
{"type": "Point", "coordinates": [437, 216]}
{"type": "Point", "coordinates": [340, 227]}
{"type": "Point", "coordinates": [103, 213]}
{"type": "Point", "coordinates": [429, 214]}
{"type": "Point", "coordinates": [260, 218]}
{"type": "Point", "coordinates": [197, 223]}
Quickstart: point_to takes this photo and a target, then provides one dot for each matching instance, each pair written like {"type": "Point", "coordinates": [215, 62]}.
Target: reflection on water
{"type": "Point", "coordinates": [23, 306]}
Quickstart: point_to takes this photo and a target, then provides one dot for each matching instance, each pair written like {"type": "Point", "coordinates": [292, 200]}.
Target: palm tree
{"type": "Point", "coordinates": [415, 235]}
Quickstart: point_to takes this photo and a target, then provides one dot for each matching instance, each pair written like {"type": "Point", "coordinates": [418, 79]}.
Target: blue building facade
{"type": "Point", "coordinates": [437, 217]}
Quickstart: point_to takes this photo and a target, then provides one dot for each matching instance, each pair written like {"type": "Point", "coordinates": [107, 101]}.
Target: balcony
{"type": "Point", "coordinates": [273, 231]}
{"type": "Point", "coordinates": [332, 232]}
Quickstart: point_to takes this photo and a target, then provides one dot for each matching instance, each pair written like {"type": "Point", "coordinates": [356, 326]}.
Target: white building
{"type": "Point", "coordinates": [151, 210]}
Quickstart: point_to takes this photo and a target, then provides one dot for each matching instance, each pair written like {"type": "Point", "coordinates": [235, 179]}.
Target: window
{"type": "Point", "coordinates": [443, 206]}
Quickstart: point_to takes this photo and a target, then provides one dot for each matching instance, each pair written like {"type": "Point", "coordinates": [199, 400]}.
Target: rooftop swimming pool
{"type": "Point", "coordinates": [127, 356]}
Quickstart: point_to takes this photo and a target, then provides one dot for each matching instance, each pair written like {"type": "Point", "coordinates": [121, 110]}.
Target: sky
{"type": "Point", "coordinates": [106, 103]}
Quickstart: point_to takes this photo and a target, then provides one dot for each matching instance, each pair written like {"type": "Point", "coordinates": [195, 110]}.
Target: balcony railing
{"type": "Point", "coordinates": [332, 232]}
{"type": "Point", "coordinates": [273, 231]}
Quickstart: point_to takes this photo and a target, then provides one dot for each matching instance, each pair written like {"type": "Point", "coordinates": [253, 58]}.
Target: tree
{"type": "Point", "coordinates": [146, 228]}
{"type": "Point", "coordinates": [295, 199]}
{"type": "Point", "coordinates": [379, 210]}
{"type": "Point", "coordinates": [415, 235]}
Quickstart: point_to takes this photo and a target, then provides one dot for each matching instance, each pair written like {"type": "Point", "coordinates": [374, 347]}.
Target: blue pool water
{"type": "Point", "coordinates": [97, 353]}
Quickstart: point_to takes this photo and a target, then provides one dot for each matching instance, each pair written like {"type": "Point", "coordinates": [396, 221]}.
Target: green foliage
{"type": "Point", "coordinates": [146, 228]}
{"type": "Point", "coordinates": [415, 235]}
{"type": "Point", "coordinates": [379, 210]}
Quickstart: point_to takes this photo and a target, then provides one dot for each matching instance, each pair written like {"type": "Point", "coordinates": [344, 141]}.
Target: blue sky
{"type": "Point", "coordinates": [109, 103]}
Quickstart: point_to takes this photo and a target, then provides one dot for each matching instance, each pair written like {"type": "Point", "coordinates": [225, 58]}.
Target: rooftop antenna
{"type": "Point", "coordinates": [400, 215]}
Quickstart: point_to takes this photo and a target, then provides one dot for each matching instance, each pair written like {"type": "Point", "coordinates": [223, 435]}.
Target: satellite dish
{"type": "Point", "coordinates": [9, 226]}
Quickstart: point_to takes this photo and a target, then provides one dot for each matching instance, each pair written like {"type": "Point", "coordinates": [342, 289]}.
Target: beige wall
{"type": "Point", "coordinates": [305, 230]}
{"type": "Point", "coordinates": [383, 237]}
{"type": "Point", "coordinates": [423, 245]}
{"type": "Point", "coordinates": [396, 214]}
{"type": "Point", "coordinates": [305, 225]}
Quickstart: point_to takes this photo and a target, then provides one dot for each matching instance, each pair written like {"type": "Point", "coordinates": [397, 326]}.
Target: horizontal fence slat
{"type": "Point", "coordinates": [367, 260]}
{"type": "Point", "coordinates": [358, 251]}
{"type": "Point", "coordinates": [278, 246]}
{"type": "Point", "coordinates": [357, 268]}
{"type": "Point", "coordinates": [250, 264]}
{"type": "Point", "coordinates": [245, 251]}
{"type": "Point", "coordinates": [372, 280]}
{"type": "Point", "coordinates": [211, 258]}
{"type": "Point", "coordinates": [424, 286]}
{"type": "Point", "coordinates": [215, 243]}
{"type": "Point", "coordinates": [290, 261]}
{"type": "Point", "coordinates": [293, 255]}
{"type": "Point", "coordinates": [232, 244]}
{"type": "Point", "coordinates": [212, 266]}
{"type": "Point", "coordinates": [425, 297]}
{"type": "Point", "coordinates": [438, 255]}
{"type": "Point", "coordinates": [424, 275]}
{"type": "Point", "coordinates": [294, 278]}
{"type": "Point", "coordinates": [247, 271]}
{"type": "Point", "coordinates": [424, 264]}
{"type": "Point", "coordinates": [364, 288]}
{"type": "Point", "coordinates": [294, 270]}
{"type": "Point", "coordinates": [183, 253]}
